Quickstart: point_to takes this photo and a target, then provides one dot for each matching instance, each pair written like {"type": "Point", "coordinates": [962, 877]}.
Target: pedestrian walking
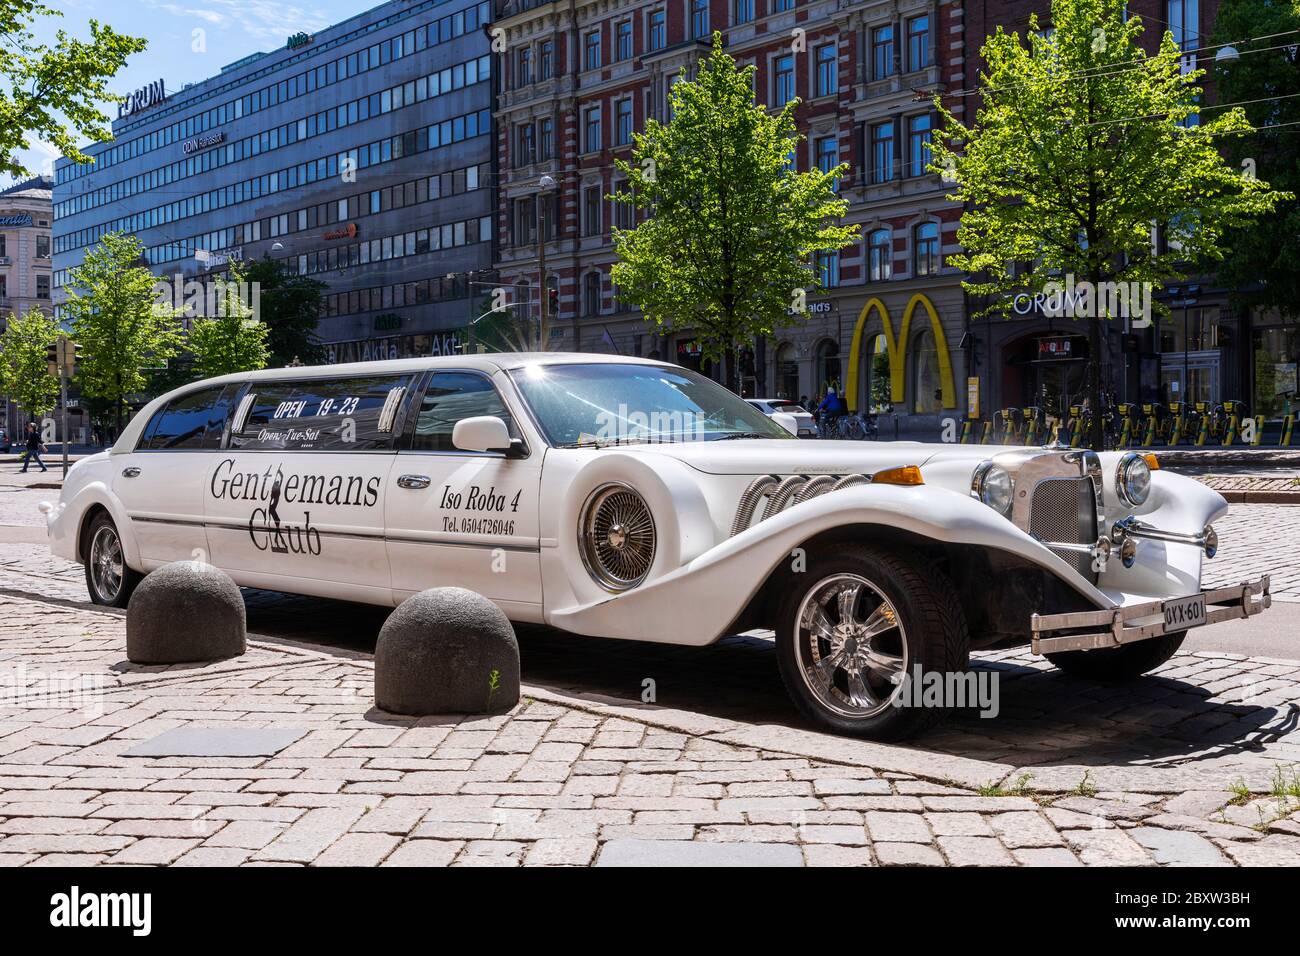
{"type": "Point", "coordinates": [34, 448]}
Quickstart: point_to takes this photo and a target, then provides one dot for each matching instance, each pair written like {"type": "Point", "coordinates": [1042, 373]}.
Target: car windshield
{"type": "Point", "coordinates": [607, 403]}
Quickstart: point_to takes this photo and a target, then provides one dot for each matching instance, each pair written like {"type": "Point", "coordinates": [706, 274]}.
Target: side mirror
{"type": "Point", "coordinates": [484, 433]}
{"type": "Point", "coordinates": [787, 421]}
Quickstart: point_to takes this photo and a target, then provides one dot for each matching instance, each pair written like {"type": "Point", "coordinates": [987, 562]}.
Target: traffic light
{"type": "Point", "coordinates": [61, 355]}
{"type": "Point", "coordinates": [52, 358]}
{"type": "Point", "coordinates": [552, 302]}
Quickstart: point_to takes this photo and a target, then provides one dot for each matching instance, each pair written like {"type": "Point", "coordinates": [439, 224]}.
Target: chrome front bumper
{"type": "Point", "coordinates": [1094, 630]}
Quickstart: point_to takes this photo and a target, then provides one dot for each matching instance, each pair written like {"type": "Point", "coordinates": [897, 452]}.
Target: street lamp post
{"type": "Point", "coordinates": [546, 184]}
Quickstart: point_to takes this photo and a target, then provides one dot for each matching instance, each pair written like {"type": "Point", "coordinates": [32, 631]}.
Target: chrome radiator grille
{"type": "Point", "coordinates": [1065, 510]}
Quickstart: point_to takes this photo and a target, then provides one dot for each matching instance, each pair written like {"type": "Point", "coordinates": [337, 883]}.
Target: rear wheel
{"type": "Point", "coordinates": [109, 579]}
{"type": "Point", "coordinates": [1127, 662]}
{"type": "Point", "coordinates": [858, 621]}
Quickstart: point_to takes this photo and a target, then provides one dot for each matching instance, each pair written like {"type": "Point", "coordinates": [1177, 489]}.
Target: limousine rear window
{"type": "Point", "coordinates": [337, 414]}
{"type": "Point", "coordinates": [186, 420]}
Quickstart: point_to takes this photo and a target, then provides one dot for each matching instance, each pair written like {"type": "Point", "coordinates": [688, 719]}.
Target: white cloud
{"type": "Point", "coordinates": [266, 21]}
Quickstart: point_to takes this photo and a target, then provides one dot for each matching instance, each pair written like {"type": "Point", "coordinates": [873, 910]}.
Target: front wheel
{"type": "Point", "coordinates": [1127, 662]}
{"type": "Point", "coordinates": [858, 622]}
{"type": "Point", "coordinates": [109, 579]}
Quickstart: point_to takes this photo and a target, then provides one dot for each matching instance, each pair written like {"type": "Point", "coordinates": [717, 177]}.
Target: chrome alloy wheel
{"type": "Point", "coordinates": [852, 648]}
{"type": "Point", "coordinates": [106, 564]}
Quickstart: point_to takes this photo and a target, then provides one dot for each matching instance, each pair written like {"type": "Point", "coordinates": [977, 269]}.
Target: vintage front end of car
{"type": "Point", "coordinates": [873, 563]}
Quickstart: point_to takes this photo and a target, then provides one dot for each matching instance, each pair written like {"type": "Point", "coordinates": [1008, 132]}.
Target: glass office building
{"type": "Point", "coordinates": [360, 155]}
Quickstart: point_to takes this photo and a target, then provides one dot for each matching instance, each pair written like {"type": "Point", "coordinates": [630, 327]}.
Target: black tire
{"type": "Point", "coordinates": [933, 635]}
{"type": "Point", "coordinates": [102, 533]}
{"type": "Point", "coordinates": [1128, 662]}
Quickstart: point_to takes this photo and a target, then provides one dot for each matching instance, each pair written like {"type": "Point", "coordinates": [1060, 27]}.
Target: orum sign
{"type": "Point", "coordinates": [141, 99]}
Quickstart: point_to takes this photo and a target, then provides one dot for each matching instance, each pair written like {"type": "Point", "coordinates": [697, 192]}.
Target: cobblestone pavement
{"type": "Point", "coordinates": [1171, 769]}
{"type": "Point", "coordinates": [552, 782]}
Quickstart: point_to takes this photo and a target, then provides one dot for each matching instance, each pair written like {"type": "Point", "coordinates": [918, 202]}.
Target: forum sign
{"type": "Point", "coordinates": [142, 99]}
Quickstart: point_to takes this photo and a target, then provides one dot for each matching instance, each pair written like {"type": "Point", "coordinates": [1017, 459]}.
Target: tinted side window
{"type": "Point", "coordinates": [341, 414]}
{"type": "Point", "coordinates": [449, 397]}
{"type": "Point", "coordinates": [220, 415]}
{"type": "Point", "coordinates": [183, 423]}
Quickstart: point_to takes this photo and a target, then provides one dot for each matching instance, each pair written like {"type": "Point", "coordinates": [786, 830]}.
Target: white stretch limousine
{"type": "Point", "coordinates": [634, 499]}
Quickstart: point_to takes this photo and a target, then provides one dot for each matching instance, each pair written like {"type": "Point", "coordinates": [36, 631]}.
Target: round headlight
{"type": "Point", "coordinates": [1133, 479]}
{"type": "Point", "coordinates": [992, 485]}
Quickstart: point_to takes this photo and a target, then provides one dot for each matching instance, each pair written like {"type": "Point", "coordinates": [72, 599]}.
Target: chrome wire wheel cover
{"type": "Point", "coordinates": [617, 537]}
{"type": "Point", "coordinates": [852, 648]}
{"type": "Point", "coordinates": [106, 565]}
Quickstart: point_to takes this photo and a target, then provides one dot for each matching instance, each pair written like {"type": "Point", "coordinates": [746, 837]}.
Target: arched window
{"type": "Point", "coordinates": [827, 369]}
{"type": "Point", "coordinates": [875, 376]}
{"type": "Point", "coordinates": [880, 255]}
{"type": "Point", "coordinates": [926, 395]}
{"type": "Point", "coordinates": [925, 249]}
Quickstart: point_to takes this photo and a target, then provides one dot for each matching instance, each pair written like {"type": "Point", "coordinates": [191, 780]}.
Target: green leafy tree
{"type": "Point", "coordinates": [53, 92]}
{"type": "Point", "coordinates": [24, 368]}
{"type": "Point", "coordinates": [122, 326]}
{"type": "Point", "coordinates": [1263, 262]}
{"type": "Point", "coordinates": [733, 232]}
{"type": "Point", "coordinates": [291, 307]}
{"type": "Point", "coordinates": [233, 340]}
{"type": "Point", "coordinates": [507, 329]}
{"type": "Point", "coordinates": [1083, 142]}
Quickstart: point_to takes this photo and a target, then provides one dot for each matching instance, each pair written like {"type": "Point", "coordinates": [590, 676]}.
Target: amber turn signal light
{"type": "Point", "coordinates": [907, 475]}
{"type": "Point", "coordinates": [1152, 461]}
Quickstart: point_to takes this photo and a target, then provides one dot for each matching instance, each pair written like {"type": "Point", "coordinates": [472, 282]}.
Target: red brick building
{"type": "Point", "coordinates": [577, 78]}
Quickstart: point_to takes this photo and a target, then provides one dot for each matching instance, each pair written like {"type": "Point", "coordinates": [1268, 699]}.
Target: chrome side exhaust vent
{"type": "Point", "coordinates": [792, 490]}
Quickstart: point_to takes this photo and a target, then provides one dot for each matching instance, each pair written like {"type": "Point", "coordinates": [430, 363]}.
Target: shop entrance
{"type": "Point", "coordinates": [1049, 371]}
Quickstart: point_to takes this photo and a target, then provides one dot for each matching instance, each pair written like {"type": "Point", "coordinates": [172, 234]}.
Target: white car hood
{"type": "Point", "coordinates": [765, 456]}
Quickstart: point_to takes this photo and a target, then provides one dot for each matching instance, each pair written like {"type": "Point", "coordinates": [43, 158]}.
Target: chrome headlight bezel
{"type": "Point", "coordinates": [989, 482]}
{"type": "Point", "coordinates": [1133, 479]}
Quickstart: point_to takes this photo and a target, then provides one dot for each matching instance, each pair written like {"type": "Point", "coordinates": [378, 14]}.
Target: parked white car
{"type": "Point", "coordinates": [635, 499]}
{"type": "Point", "coordinates": [805, 426]}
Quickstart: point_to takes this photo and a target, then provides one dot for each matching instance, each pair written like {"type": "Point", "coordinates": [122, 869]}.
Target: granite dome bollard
{"type": "Point", "coordinates": [185, 612]}
{"type": "Point", "coordinates": [446, 651]}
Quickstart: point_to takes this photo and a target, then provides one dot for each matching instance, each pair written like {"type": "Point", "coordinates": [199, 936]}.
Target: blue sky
{"type": "Point", "coordinates": [232, 29]}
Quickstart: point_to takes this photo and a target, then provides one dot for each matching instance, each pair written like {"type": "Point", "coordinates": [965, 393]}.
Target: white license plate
{"type": "Point", "coordinates": [1184, 613]}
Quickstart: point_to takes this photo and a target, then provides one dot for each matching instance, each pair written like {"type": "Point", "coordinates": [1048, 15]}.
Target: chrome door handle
{"type": "Point", "coordinates": [131, 472]}
{"type": "Point", "coordinates": [413, 481]}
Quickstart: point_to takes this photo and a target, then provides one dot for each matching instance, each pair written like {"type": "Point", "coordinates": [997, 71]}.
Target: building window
{"type": "Point", "coordinates": [591, 137]}
{"type": "Point", "coordinates": [780, 6]}
{"type": "Point", "coordinates": [918, 144]}
{"type": "Point", "coordinates": [918, 43]}
{"type": "Point", "coordinates": [524, 66]}
{"type": "Point", "coordinates": [624, 213]}
{"type": "Point", "coordinates": [546, 59]}
{"type": "Point", "coordinates": [699, 18]}
{"type": "Point", "coordinates": [591, 51]}
{"type": "Point", "coordinates": [591, 293]}
{"type": "Point", "coordinates": [744, 11]}
{"type": "Point", "coordinates": [624, 47]}
{"type": "Point", "coordinates": [783, 79]}
{"type": "Point", "coordinates": [545, 139]}
{"type": "Point", "coordinates": [882, 152]}
{"type": "Point", "coordinates": [525, 145]}
{"type": "Point", "coordinates": [925, 246]}
{"type": "Point", "coordinates": [880, 255]}
{"type": "Point", "coordinates": [42, 247]}
{"type": "Point", "coordinates": [828, 269]}
{"type": "Point", "coordinates": [591, 208]}
{"type": "Point", "coordinates": [828, 70]}
{"type": "Point", "coordinates": [525, 221]}
{"type": "Point", "coordinates": [623, 125]}
{"type": "Point", "coordinates": [657, 29]}
{"type": "Point", "coordinates": [882, 52]}
{"type": "Point", "coordinates": [1184, 22]}
{"type": "Point", "coordinates": [827, 149]}
{"type": "Point", "coordinates": [42, 287]}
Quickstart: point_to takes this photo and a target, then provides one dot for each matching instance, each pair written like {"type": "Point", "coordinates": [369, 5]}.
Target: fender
{"type": "Point", "coordinates": [65, 521]}
{"type": "Point", "coordinates": [695, 603]}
